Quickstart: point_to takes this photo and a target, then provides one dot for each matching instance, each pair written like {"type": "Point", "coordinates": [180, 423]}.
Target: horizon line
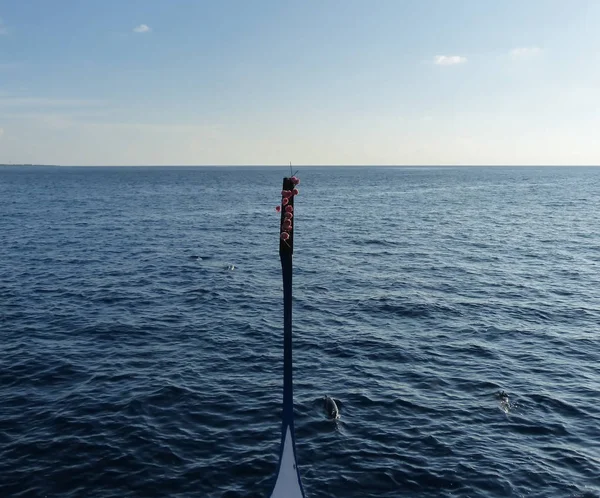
{"type": "Point", "coordinates": [25, 165]}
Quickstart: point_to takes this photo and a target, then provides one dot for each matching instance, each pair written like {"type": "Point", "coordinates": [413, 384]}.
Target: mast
{"type": "Point", "coordinates": [288, 483]}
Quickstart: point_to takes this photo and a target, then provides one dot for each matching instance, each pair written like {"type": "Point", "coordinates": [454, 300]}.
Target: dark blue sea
{"type": "Point", "coordinates": [141, 332]}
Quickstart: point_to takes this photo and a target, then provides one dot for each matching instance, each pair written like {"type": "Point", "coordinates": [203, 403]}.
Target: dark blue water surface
{"type": "Point", "coordinates": [128, 368]}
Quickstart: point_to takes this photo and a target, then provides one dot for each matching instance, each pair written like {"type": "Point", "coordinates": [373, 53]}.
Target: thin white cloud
{"type": "Point", "coordinates": [525, 52]}
{"type": "Point", "coordinates": [17, 101]}
{"type": "Point", "coordinates": [449, 60]}
{"type": "Point", "coordinates": [55, 119]}
{"type": "Point", "coordinates": [1, 132]}
{"type": "Point", "coordinates": [142, 28]}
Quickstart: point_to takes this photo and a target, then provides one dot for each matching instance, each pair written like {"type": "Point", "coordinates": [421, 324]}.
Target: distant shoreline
{"type": "Point", "coordinates": [29, 165]}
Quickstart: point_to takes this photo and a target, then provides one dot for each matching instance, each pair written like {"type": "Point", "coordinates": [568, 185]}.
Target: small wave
{"type": "Point", "coordinates": [406, 309]}
{"type": "Point", "coordinates": [375, 242]}
{"type": "Point", "coordinates": [541, 429]}
{"type": "Point", "coordinates": [555, 405]}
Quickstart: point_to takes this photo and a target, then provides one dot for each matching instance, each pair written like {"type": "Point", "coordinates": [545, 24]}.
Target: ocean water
{"type": "Point", "coordinates": [141, 332]}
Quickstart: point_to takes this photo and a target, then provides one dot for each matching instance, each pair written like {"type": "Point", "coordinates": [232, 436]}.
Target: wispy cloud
{"type": "Point", "coordinates": [449, 60]}
{"type": "Point", "coordinates": [142, 28]}
{"type": "Point", "coordinates": [56, 119]}
{"type": "Point", "coordinates": [38, 102]}
{"type": "Point", "coordinates": [525, 52]}
{"type": "Point", "coordinates": [1, 132]}
{"type": "Point", "coordinates": [3, 28]}
{"type": "Point", "coordinates": [51, 112]}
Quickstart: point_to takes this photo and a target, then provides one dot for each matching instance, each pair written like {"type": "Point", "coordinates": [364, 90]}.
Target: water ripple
{"type": "Point", "coordinates": [140, 322]}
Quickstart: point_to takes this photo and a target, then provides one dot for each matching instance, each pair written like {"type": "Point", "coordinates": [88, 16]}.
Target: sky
{"type": "Point", "coordinates": [322, 82]}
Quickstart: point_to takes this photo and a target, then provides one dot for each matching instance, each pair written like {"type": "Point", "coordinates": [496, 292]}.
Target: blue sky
{"type": "Point", "coordinates": [315, 82]}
